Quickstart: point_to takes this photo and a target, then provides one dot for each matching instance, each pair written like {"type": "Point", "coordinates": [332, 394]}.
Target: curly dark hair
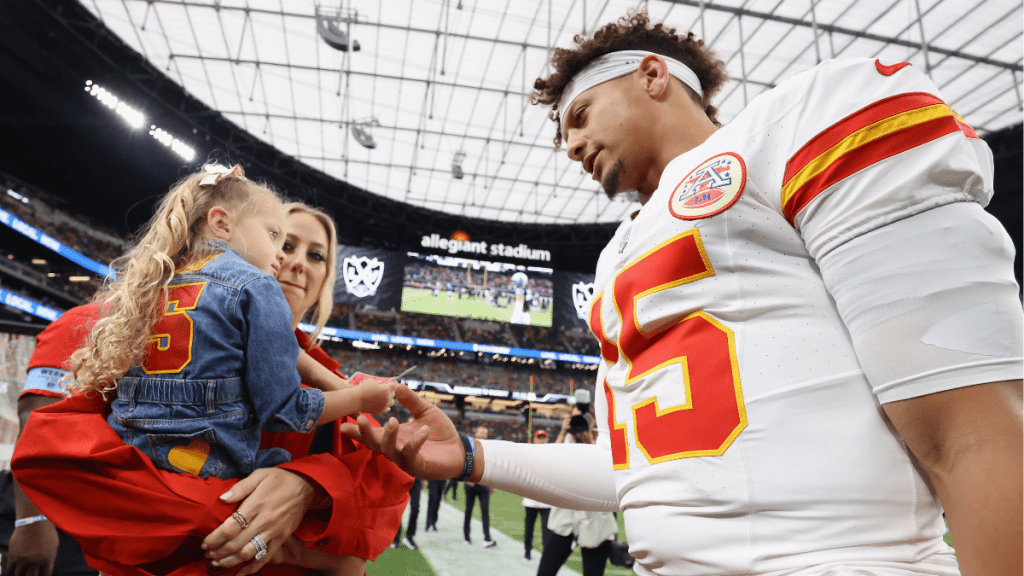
{"type": "Point", "coordinates": [631, 32]}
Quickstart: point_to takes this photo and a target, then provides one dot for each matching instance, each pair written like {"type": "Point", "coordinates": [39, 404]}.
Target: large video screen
{"type": "Point", "coordinates": [467, 288]}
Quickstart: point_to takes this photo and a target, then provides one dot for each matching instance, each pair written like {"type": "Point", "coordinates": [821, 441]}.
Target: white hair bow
{"type": "Point", "coordinates": [218, 171]}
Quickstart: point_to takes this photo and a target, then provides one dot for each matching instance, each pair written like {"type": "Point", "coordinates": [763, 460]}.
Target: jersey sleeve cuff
{"type": "Point", "coordinates": [983, 372]}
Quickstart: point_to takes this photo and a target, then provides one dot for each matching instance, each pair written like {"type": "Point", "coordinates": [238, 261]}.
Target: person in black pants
{"type": "Point", "coordinates": [592, 531]}
{"type": "Point", "coordinates": [453, 487]}
{"type": "Point", "coordinates": [474, 491]}
{"type": "Point", "coordinates": [414, 514]}
{"type": "Point", "coordinates": [534, 509]}
{"type": "Point", "coordinates": [434, 490]}
{"type": "Point", "coordinates": [556, 552]}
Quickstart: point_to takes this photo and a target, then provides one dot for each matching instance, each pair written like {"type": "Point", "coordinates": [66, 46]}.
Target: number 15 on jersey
{"type": "Point", "coordinates": [699, 346]}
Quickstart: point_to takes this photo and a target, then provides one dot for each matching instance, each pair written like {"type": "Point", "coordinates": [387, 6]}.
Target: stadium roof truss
{"type": "Point", "coordinates": [433, 110]}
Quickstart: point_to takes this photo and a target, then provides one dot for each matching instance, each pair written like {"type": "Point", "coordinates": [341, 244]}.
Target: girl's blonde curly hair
{"type": "Point", "coordinates": [132, 304]}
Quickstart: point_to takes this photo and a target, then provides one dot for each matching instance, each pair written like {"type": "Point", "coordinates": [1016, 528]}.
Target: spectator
{"type": "Point", "coordinates": [483, 493]}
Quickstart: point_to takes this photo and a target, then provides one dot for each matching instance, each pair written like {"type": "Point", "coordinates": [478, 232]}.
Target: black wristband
{"type": "Point", "coordinates": [470, 448]}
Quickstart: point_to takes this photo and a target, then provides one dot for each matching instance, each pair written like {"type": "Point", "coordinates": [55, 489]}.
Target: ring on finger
{"type": "Point", "coordinates": [260, 545]}
{"type": "Point", "coordinates": [241, 519]}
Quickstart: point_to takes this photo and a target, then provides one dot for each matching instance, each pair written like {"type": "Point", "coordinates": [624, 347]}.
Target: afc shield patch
{"type": "Point", "coordinates": [582, 294]}
{"type": "Point", "coordinates": [709, 189]}
{"type": "Point", "coordinates": [362, 275]}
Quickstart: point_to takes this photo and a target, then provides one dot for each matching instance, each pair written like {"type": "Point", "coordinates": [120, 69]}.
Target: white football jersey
{"type": "Point", "coordinates": [745, 435]}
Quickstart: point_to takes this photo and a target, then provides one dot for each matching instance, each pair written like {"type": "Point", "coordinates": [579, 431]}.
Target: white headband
{"type": "Point", "coordinates": [617, 64]}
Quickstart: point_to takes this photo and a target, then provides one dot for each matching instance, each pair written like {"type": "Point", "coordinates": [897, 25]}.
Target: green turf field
{"type": "Point", "coordinates": [421, 300]}
{"type": "Point", "coordinates": [506, 516]}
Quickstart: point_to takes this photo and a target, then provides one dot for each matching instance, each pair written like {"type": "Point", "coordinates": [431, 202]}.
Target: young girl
{"type": "Point", "coordinates": [196, 338]}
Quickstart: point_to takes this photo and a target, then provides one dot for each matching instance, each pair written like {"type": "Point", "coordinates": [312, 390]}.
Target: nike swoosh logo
{"type": "Point", "coordinates": [889, 70]}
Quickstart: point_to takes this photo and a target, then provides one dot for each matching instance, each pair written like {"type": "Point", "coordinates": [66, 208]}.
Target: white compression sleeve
{"type": "Point", "coordinates": [574, 476]}
{"type": "Point", "coordinates": [930, 302]}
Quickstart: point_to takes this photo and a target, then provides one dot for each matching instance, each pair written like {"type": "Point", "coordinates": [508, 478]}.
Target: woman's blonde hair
{"type": "Point", "coordinates": [133, 303]}
{"type": "Point", "coordinates": [325, 304]}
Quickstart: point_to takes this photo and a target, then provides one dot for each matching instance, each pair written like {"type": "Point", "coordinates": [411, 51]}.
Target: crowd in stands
{"type": "Point", "coordinates": [77, 232]}
{"type": "Point", "coordinates": [465, 330]}
{"type": "Point", "coordinates": [60, 295]}
{"type": "Point", "coordinates": [460, 369]}
{"type": "Point", "coordinates": [513, 428]}
{"type": "Point", "coordinates": [425, 326]}
{"type": "Point", "coordinates": [484, 332]}
{"type": "Point", "coordinates": [372, 320]}
{"type": "Point", "coordinates": [581, 342]}
{"type": "Point", "coordinates": [539, 338]}
{"type": "Point", "coordinates": [341, 316]}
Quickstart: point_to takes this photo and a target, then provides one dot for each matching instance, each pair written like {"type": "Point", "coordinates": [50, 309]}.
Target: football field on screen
{"type": "Point", "coordinates": [422, 300]}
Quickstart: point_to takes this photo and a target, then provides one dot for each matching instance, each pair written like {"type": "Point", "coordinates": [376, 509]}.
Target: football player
{"type": "Point", "coordinates": [810, 332]}
{"type": "Point", "coordinates": [520, 304]}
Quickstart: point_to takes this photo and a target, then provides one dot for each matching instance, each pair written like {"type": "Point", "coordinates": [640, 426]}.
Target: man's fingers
{"type": "Point", "coordinates": [389, 439]}
{"type": "Point", "coordinates": [351, 430]}
{"type": "Point", "coordinates": [412, 447]}
{"type": "Point", "coordinates": [411, 400]}
{"type": "Point", "coordinates": [363, 432]}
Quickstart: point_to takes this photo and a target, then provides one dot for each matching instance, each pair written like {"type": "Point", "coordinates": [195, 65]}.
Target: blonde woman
{"type": "Point", "coordinates": [354, 498]}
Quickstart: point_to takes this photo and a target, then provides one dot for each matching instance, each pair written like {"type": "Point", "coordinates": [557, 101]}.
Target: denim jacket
{"type": "Point", "coordinates": [219, 370]}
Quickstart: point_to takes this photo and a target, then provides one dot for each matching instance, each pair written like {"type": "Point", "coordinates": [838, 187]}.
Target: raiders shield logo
{"type": "Point", "coordinates": [709, 189]}
{"type": "Point", "coordinates": [362, 275]}
{"type": "Point", "coordinates": [582, 294]}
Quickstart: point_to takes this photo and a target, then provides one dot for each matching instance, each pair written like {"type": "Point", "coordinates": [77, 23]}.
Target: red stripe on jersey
{"type": "Point", "coordinates": [608, 349]}
{"type": "Point", "coordinates": [866, 116]}
{"type": "Point", "coordinates": [967, 130]}
{"type": "Point", "coordinates": [866, 155]}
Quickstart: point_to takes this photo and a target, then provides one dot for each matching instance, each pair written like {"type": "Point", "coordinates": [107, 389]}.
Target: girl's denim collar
{"type": "Point", "coordinates": [213, 244]}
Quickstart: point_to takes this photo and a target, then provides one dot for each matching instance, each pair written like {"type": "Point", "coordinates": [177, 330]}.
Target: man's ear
{"type": "Point", "coordinates": [220, 223]}
{"type": "Point", "coordinates": [655, 76]}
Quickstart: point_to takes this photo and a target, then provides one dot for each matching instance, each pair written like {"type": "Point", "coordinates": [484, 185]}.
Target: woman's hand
{"type": "Point", "coordinates": [272, 502]}
{"type": "Point", "coordinates": [427, 446]}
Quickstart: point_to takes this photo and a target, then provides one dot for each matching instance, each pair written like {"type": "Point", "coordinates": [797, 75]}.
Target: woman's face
{"type": "Point", "coordinates": [305, 263]}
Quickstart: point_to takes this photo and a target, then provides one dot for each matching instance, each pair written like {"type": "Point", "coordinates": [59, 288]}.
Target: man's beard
{"type": "Point", "coordinates": [610, 180]}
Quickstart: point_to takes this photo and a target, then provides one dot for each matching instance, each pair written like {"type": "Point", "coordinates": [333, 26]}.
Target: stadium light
{"type": "Point", "coordinates": [177, 146]}
{"type": "Point", "coordinates": [79, 278]}
{"type": "Point", "coordinates": [137, 119]}
{"type": "Point", "coordinates": [133, 117]}
{"type": "Point", "coordinates": [17, 196]}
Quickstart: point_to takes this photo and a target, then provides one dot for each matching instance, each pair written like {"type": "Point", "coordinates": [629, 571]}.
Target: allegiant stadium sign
{"type": "Point", "coordinates": [453, 246]}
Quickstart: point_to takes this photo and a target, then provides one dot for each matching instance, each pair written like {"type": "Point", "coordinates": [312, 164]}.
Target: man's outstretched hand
{"type": "Point", "coordinates": [427, 446]}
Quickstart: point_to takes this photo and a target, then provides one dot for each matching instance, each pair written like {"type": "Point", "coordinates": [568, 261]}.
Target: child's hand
{"type": "Point", "coordinates": [376, 396]}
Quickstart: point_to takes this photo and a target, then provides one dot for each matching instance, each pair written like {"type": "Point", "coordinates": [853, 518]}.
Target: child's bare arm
{"type": "Point", "coordinates": [317, 375]}
{"type": "Point", "coordinates": [374, 396]}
